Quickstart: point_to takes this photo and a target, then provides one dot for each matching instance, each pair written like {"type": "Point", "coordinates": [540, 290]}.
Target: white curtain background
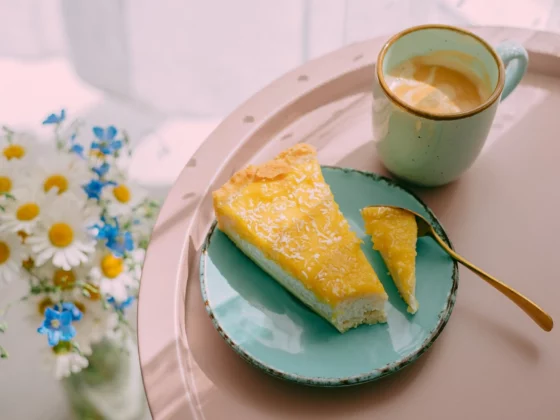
{"type": "Point", "coordinates": [168, 71]}
{"type": "Point", "coordinates": [201, 58]}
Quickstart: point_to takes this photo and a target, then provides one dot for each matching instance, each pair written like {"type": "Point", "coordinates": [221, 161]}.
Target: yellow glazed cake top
{"type": "Point", "coordinates": [394, 233]}
{"type": "Point", "coordinates": [286, 209]}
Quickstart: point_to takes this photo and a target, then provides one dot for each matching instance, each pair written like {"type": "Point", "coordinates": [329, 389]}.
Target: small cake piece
{"type": "Point", "coordinates": [394, 233]}
{"type": "Point", "coordinates": [283, 216]}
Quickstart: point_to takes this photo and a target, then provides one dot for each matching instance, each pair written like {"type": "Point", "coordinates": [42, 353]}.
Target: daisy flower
{"type": "Point", "coordinates": [65, 280]}
{"type": "Point", "coordinates": [96, 320]}
{"type": "Point", "coordinates": [24, 212]}
{"type": "Point", "coordinates": [63, 361]}
{"type": "Point", "coordinates": [17, 145]}
{"type": "Point", "coordinates": [63, 234]}
{"type": "Point", "coordinates": [138, 256]}
{"type": "Point", "coordinates": [122, 197]}
{"type": "Point", "coordinates": [13, 175]}
{"type": "Point", "coordinates": [91, 327]}
{"type": "Point", "coordinates": [12, 256]}
{"type": "Point", "coordinates": [110, 274]}
{"type": "Point", "coordinates": [37, 305]}
{"type": "Point", "coordinates": [63, 173]}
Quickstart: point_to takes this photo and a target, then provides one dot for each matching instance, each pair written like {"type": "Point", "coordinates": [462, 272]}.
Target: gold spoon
{"type": "Point", "coordinates": [536, 313]}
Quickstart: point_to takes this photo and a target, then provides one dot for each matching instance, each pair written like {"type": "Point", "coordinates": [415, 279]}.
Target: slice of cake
{"type": "Point", "coordinates": [394, 233]}
{"type": "Point", "coordinates": [283, 216]}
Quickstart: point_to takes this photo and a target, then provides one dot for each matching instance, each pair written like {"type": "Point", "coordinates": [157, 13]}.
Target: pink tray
{"type": "Point", "coordinates": [491, 362]}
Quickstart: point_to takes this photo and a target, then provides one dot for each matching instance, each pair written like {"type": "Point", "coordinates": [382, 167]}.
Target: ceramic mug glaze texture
{"type": "Point", "coordinates": [429, 149]}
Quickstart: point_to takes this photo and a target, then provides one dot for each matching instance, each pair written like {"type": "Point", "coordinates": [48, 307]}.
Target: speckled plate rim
{"type": "Point", "coordinates": [375, 374]}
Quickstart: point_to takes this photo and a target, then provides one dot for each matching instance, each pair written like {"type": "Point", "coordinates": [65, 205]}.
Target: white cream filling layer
{"type": "Point", "coordinates": [347, 314]}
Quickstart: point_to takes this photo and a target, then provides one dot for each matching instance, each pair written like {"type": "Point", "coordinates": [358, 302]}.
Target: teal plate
{"type": "Point", "coordinates": [272, 330]}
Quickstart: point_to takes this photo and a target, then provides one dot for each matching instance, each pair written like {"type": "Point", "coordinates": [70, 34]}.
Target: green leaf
{"type": "Point", "coordinates": [3, 327]}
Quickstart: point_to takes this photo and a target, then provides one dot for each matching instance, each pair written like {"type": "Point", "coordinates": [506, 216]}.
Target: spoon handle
{"type": "Point", "coordinates": [529, 307]}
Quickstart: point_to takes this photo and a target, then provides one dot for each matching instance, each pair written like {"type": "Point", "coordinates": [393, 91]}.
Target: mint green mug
{"type": "Point", "coordinates": [431, 149]}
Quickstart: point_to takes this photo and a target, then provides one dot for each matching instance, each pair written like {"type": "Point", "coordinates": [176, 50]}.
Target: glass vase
{"type": "Point", "coordinates": [111, 387]}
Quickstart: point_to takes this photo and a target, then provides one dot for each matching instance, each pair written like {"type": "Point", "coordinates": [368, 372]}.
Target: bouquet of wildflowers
{"type": "Point", "coordinates": [74, 228]}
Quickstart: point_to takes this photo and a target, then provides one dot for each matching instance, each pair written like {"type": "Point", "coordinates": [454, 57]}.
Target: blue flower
{"type": "Point", "coordinates": [94, 188]}
{"type": "Point", "coordinates": [78, 149]}
{"type": "Point", "coordinates": [107, 143]}
{"type": "Point", "coordinates": [106, 231]}
{"type": "Point", "coordinates": [69, 307]}
{"type": "Point", "coordinates": [58, 326]}
{"type": "Point", "coordinates": [55, 119]}
{"type": "Point", "coordinates": [102, 169]}
{"type": "Point", "coordinates": [120, 244]}
{"type": "Point", "coordinates": [75, 147]}
{"type": "Point", "coordinates": [116, 240]}
{"type": "Point", "coordinates": [120, 306]}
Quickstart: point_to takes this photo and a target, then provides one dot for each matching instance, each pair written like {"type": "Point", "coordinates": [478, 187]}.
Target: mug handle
{"type": "Point", "coordinates": [515, 59]}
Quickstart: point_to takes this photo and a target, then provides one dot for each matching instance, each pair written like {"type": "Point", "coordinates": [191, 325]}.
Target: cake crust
{"type": "Point", "coordinates": [270, 170]}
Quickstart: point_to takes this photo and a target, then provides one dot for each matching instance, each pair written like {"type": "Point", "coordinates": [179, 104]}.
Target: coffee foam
{"type": "Point", "coordinates": [438, 83]}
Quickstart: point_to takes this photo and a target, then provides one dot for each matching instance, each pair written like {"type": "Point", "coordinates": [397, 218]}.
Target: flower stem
{"type": "Point", "coordinates": [6, 308]}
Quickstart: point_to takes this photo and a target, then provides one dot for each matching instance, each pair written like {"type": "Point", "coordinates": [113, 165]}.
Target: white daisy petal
{"type": "Point", "coordinates": [123, 197]}
{"type": "Point", "coordinates": [25, 211]}
{"type": "Point", "coordinates": [83, 258]}
{"type": "Point", "coordinates": [12, 256]}
{"type": "Point", "coordinates": [63, 173]}
{"type": "Point", "coordinates": [63, 365]}
{"type": "Point", "coordinates": [19, 149]}
{"type": "Point", "coordinates": [62, 234]}
{"type": "Point", "coordinates": [110, 273]}
{"type": "Point", "coordinates": [43, 256]}
{"type": "Point", "coordinates": [73, 258]}
{"type": "Point", "coordinates": [59, 260]}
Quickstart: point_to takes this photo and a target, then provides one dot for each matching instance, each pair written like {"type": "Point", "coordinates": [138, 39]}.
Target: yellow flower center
{"type": "Point", "coordinates": [22, 235]}
{"type": "Point", "coordinates": [63, 347]}
{"type": "Point", "coordinates": [28, 264]}
{"type": "Point", "coordinates": [44, 304]}
{"type": "Point", "coordinates": [97, 154]}
{"type": "Point", "coordinates": [4, 252]}
{"type": "Point", "coordinates": [111, 266]}
{"type": "Point", "coordinates": [64, 279]}
{"type": "Point", "coordinates": [14, 151]}
{"type": "Point", "coordinates": [5, 184]}
{"type": "Point", "coordinates": [81, 307]}
{"type": "Point", "coordinates": [55, 323]}
{"type": "Point", "coordinates": [27, 211]}
{"type": "Point", "coordinates": [56, 180]}
{"type": "Point", "coordinates": [122, 193]}
{"type": "Point", "coordinates": [92, 292]}
{"type": "Point", "coordinates": [61, 235]}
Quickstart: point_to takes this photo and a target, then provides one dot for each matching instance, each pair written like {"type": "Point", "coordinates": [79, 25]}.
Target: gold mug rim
{"type": "Point", "coordinates": [431, 115]}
